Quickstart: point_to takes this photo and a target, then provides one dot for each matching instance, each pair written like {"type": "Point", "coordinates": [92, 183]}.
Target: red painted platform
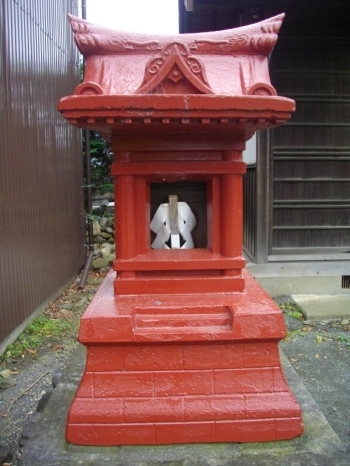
{"type": "Point", "coordinates": [182, 369]}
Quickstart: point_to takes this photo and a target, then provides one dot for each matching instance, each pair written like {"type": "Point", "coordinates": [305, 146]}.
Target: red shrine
{"type": "Point", "coordinates": [182, 344]}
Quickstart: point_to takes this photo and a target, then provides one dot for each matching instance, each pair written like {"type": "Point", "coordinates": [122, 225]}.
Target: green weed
{"type": "Point", "coordinates": [287, 306]}
{"type": "Point", "coordinates": [292, 310]}
{"type": "Point", "coordinates": [90, 216]}
{"type": "Point", "coordinates": [343, 339]}
{"type": "Point", "coordinates": [294, 334]}
{"type": "Point", "coordinates": [36, 334]}
{"type": "Point", "coordinates": [296, 315]}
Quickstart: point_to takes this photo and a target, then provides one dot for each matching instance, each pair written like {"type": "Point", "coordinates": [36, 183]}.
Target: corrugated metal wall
{"type": "Point", "coordinates": [41, 198]}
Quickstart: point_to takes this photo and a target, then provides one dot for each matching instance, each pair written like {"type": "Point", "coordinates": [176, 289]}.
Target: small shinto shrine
{"type": "Point", "coordinates": [182, 343]}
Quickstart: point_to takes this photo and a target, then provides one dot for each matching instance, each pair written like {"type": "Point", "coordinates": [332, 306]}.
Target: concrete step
{"type": "Point", "coordinates": [323, 306]}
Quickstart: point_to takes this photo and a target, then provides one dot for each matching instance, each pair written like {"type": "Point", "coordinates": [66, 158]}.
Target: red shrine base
{"type": "Point", "coordinates": [182, 369]}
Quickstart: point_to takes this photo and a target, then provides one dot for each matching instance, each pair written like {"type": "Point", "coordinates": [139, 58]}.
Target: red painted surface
{"type": "Point", "coordinates": [151, 373]}
{"type": "Point", "coordinates": [181, 344]}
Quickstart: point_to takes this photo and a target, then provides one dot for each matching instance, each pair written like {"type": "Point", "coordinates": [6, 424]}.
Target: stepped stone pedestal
{"type": "Point", "coordinates": [182, 343]}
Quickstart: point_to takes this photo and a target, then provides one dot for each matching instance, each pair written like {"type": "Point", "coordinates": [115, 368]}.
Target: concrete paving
{"type": "Point", "coordinates": [319, 307]}
{"type": "Point", "coordinates": [318, 446]}
{"type": "Point", "coordinates": [307, 276]}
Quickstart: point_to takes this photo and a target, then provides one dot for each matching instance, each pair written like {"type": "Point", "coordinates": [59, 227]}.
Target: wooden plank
{"type": "Point", "coordinates": [263, 196]}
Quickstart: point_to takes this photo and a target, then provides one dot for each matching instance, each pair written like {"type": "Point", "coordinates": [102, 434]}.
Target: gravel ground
{"type": "Point", "coordinates": [35, 375]}
{"type": "Point", "coordinates": [318, 351]}
{"type": "Point", "coordinates": [16, 409]}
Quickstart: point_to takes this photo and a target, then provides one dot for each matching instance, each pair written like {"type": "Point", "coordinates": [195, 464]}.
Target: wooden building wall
{"type": "Point", "coordinates": [297, 196]}
{"type": "Point", "coordinates": [311, 154]}
{"type": "Point", "coordinates": [41, 226]}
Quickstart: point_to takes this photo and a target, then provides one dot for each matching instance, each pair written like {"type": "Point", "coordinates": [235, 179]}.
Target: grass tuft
{"type": "Point", "coordinates": [292, 310]}
{"type": "Point", "coordinates": [42, 329]}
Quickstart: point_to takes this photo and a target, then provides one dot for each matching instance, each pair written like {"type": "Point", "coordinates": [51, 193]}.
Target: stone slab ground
{"type": "Point", "coordinates": [329, 306]}
{"type": "Point", "coordinates": [318, 446]}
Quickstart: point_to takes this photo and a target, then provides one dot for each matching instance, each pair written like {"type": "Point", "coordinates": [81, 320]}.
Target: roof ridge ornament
{"type": "Point", "coordinates": [92, 39]}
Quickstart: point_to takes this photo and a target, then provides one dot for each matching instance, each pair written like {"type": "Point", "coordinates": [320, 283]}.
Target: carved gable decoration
{"type": "Point", "coordinates": [233, 62]}
{"type": "Point", "coordinates": [175, 71]}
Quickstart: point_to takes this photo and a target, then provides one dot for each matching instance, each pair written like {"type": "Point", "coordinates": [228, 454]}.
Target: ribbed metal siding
{"type": "Point", "coordinates": [41, 199]}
